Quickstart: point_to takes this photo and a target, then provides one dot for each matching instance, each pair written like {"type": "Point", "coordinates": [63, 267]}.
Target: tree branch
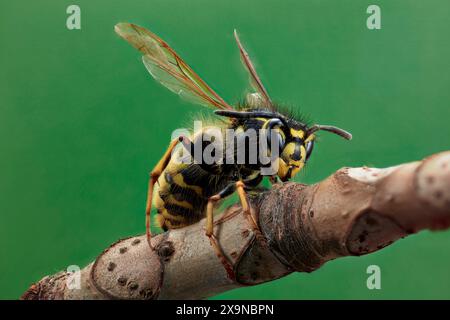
{"type": "Point", "coordinates": [353, 212]}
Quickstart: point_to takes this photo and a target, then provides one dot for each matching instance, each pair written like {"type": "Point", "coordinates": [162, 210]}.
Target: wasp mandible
{"type": "Point", "coordinates": [184, 193]}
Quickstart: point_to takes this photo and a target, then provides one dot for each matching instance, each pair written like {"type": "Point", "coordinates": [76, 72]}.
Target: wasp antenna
{"type": "Point", "coordinates": [340, 132]}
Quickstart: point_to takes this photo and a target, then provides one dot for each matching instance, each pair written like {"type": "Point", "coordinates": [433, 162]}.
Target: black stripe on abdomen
{"type": "Point", "coordinates": [177, 210]}
{"type": "Point", "coordinates": [186, 194]}
{"type": "Point", "coordinates": [189, 216]}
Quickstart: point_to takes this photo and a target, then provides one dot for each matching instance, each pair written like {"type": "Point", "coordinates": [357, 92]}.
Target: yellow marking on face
{"type": "Point", "coordinates": [311, 137]}
{"type": "Point", "coordinates": [283, 168]}
{"type": "Point", "coordinates": [296, 165]}
{"type": "Point", "coordinates": [289, 150]}
{"type": "Point", "coordinates": [297, 170]}
{"type": "Point", "coordinates": [297, 133]}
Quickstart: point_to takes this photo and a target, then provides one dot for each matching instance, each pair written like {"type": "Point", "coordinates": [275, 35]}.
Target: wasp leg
{"type": "Point", "coordinates": [240, 187]}
{"type": "Point", "coordinates": [154, 175]}
{"type": "Point", "coordinates": [210, 227]}
{"type": "Point", "coordinates": [228, 190]}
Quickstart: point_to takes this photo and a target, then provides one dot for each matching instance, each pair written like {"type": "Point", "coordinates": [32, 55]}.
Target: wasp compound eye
{"type": "Point", "coordinates": [309, 149]}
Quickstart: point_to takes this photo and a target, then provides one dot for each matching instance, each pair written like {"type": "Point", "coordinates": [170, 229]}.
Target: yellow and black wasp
{"type": "Point", "coordinates": [187, 192]}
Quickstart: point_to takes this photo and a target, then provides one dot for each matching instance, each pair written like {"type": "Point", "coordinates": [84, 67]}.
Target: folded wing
{"type": "Point", "coordinates": [166, 66]}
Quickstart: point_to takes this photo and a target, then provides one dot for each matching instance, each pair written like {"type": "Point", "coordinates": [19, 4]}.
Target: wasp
{"type": "Point", "coordinates": [184, 193]}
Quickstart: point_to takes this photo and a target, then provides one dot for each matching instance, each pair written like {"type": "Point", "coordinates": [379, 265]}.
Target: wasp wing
{"type": "Point", "coordinates": [255, 81]}
{"type": "Point", "coordinates": [166, 66]}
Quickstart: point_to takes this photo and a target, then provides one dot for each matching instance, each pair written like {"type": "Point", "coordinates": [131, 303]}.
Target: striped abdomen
{"type": "Point", "coordinates": [183, 193]}
{"type": "Point", "coordinates": [183, 190]}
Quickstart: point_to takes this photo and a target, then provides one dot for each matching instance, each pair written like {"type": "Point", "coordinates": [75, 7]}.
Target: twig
{"type": "Point", "coordinates": [353, 212]}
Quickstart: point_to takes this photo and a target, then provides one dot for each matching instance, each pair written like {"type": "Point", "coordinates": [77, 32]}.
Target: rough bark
{"type": "Point", "coordinates": [355, 211]}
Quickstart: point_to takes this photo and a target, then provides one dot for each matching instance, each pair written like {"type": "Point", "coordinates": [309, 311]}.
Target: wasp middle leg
{"type": "Point", "coordinates": [228, 190]}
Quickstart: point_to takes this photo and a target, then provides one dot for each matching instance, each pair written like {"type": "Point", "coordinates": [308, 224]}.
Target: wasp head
{"type": "Point", "coordinates": [293, 139]}
{"type": "Point", "coordinates": [295, 143]}
{"type": "Point", "coordinates": [295, 153]}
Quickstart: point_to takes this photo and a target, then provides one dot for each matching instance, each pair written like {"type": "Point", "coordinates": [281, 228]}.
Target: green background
{"type": "Point", "coordinates": [82, 122]}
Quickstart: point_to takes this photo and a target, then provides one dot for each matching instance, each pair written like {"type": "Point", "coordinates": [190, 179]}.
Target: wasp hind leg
{"type": "Point", "coordinates": [228, 190]}
{"type": "Point", "coordinates": [154, 176]}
